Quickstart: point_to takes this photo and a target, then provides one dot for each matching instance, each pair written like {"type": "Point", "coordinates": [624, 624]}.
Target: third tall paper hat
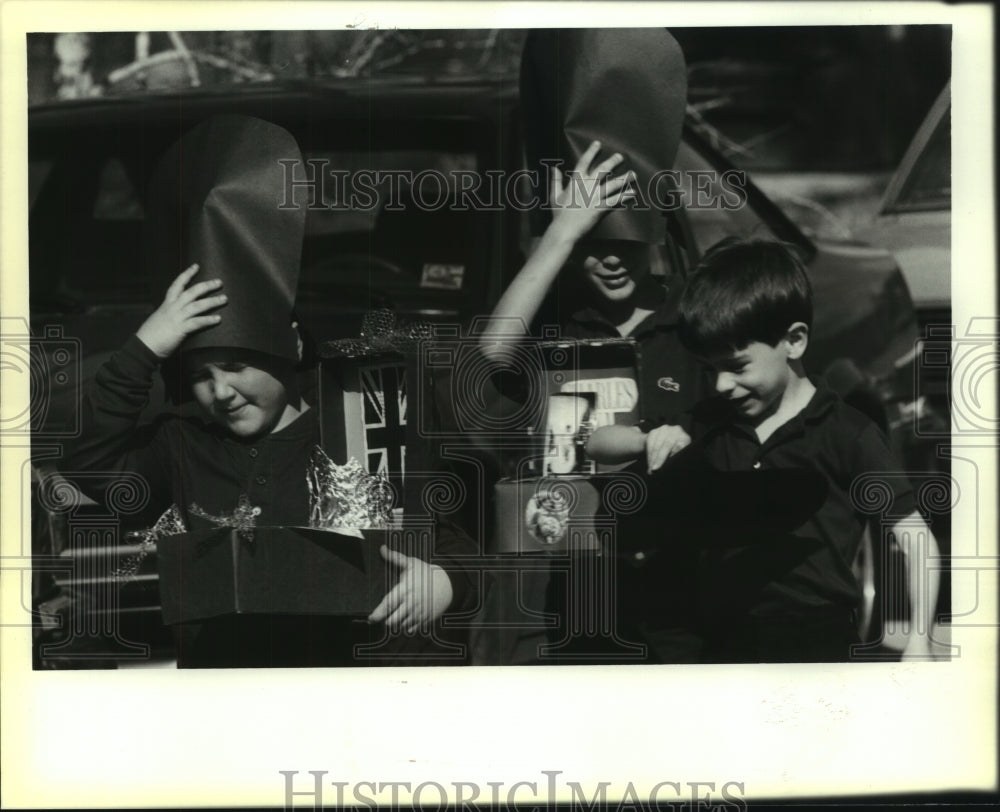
{"type": "Point", "coordinates": [625, 87]}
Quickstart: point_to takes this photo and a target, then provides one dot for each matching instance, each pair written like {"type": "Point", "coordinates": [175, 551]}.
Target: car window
{"type": "Point", "coordinates": [713, 207]}
{"type": "Point", "coordinates": [116, 197]}
{"type": "Point", "coordinates": [928, 187]}
{"type": "Point", "coordinates": [85, 230]}
{"type": "Point", "coordinates": [384, 221]}
{"type": "Point", "coordinates": [108, 243]}
{"type": "Point", "coordinates": [391, 220]}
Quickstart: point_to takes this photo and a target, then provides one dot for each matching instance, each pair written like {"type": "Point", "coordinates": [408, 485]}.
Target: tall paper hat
{"type": "Point", "coordinates": [625, 87]}
{"type": "Point", "coordinates": [221, 197]}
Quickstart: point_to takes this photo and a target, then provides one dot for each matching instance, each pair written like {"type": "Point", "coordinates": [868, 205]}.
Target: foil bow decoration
{"type": "Point", "coordinates": [546, 516]}
{"type": "Point", "coordinates": [346, 498]}
{"type": "Point", "coordinates": [169, 524]}
{"type": "Point", "coordinates": [243, 519]}
{"type": "Point", "coordinates": [380, 332]}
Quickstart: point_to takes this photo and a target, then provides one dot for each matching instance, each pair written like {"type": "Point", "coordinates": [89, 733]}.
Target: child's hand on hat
{"type": "Point", "coordinates": [184, 311]}
{"type": "Point", "coordinates": [662, 443]}
{"type": "Point", "coordinates": [420, 597]}
{"type": "Point", "coordinates": [588, 193]}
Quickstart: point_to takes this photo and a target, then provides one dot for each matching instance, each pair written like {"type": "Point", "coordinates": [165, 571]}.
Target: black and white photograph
{"type": "Point", "coordinates": [357, 352]}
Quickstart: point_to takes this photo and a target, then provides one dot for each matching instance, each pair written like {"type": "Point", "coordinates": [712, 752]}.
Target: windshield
{"type": "Point", "coordinates": [78, 65]}
{"type": "Point", "coordinates": [928, 186]}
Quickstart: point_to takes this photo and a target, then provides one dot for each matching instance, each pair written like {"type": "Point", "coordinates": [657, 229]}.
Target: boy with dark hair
{"type": "Point", "coordinates": [787, 597]}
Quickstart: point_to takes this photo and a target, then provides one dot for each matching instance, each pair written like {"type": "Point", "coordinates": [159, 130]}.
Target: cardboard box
{"type": "Point", "coordinates": [363, 409]}
{"type": "Point", "coordinates": [550, 514]}
{"type": "Point", "coordinates": [281, 570]}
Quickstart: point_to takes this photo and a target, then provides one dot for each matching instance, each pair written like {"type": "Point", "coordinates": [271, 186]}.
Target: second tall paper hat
{"type": "Point", "coordinates": [625, 87]}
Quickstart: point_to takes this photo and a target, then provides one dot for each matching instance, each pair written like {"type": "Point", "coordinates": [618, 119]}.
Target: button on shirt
{"type": "Point", "coordinates": [215, 468]}
{"type": "Point", "coordinates": [810, 568]}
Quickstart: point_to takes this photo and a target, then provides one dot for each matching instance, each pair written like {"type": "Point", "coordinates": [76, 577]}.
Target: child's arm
{"type": "Point", "coordinates": [919, 546]}
{"type": "Point", "coordinates": [612, 445]}
{"type": "Point", "coordinates": [422, 594]}
{"type": "Point", "coordinates": [111, 439]}
{"type": "Point", "coordinates": [576, 208]}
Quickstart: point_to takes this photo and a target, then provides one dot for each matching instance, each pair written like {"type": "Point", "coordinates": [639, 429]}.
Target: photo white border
{"type": "Point", "coordinates": [182, 738]}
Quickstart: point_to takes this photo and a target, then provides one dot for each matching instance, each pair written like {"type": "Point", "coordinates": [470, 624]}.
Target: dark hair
{"type": "Point", "coordinates": [743, 291]}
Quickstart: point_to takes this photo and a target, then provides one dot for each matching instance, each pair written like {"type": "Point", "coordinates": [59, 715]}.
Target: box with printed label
{"type": "Point", "coordinates": [564, 513]}
{"type": "Point", "coordinates": [587, 384]}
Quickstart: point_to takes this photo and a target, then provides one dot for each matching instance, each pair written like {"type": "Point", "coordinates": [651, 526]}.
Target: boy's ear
{"type": "Point", "coordinates": [797, 339]}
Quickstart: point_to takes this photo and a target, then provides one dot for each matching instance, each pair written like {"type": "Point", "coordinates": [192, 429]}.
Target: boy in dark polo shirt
{"type": "Point", "coordinates": [787, 597]}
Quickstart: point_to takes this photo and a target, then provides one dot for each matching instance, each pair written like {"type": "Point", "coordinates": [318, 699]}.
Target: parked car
{"type": "Point", "coordinates": [89, 163]}
{"type": "Point", "coordinates": [914, 224]}
{"type": "Point", "coordinates": [914, 217]}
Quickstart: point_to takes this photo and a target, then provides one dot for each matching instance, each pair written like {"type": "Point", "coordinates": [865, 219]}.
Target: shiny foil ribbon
{"type": "Point", "coordinates": [380, 332]}
{"type": "Point", "coordinates": [243, 519]}
{"type": "Point", "coordinates": [346, 498]}
{"type": "Point", "coordinates": [169, 524]}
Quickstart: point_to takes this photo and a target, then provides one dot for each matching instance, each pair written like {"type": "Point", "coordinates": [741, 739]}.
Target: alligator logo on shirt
{"type": "Point", "coordinates": [668, 385]}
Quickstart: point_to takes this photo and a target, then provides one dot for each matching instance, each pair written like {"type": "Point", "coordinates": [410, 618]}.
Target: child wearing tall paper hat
{"type": "Point", "coordinates": [607, 105]}
{"type": "Point", "coordinates": [220, 206]}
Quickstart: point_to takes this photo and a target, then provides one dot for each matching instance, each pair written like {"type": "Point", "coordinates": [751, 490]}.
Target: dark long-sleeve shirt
{"type": "Point", "coordinates": [189, 460]}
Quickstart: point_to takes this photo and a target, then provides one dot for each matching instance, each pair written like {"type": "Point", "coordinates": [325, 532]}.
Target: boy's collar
{"type": "Point", "coordinates": [823, 399]}
{"type": "Point", "coordinates": [715, 411]}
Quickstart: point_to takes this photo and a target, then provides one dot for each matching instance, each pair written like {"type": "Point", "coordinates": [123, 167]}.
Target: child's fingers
{"type": "Point", "coordinates": [199, 306]}
{"type": "Point", "coordinates": [557, 183]}
{"type": "Point", "coordinates": [621, 197]}
{"type": "Point", "coordinates": [657, 446]}
{"type": "Point", "coordinates": [178, 285]}
{"type": "Point", "coordinates": [411, 616]}
{"type": "Point", "coordinates": [591, 152]}
{"type": "Point", "coordinates": [655, 457]}
{"type": "Point", "coordinates": [614, 184]}
{"type": "Point", "coordinates": [664, 446]}
{"type": "Point", "coordinates": [198, 322]}
{"type": "Point", "coordinates": [394, 557]}
{"type": "Point", "coordinates": [400, 617]}
{"type": "Point", "coordinates": [608, 164]}
{"type": "Point", "coordinates": [378, 613]}
{"type": "Point", "coordinates": [617, 182]}
{"type": "Point", "coordinates": [387, 605]}
{"type": "Point", "coordinates": [197, 291]}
